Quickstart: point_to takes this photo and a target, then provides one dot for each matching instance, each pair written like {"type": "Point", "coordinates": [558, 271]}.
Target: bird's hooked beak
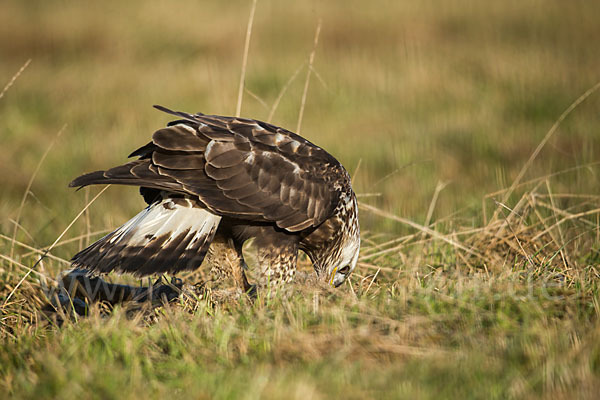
{"type": "Point", "coordinates": [332, 277]}
{"type": "Point", "coordinates": [336, 279]}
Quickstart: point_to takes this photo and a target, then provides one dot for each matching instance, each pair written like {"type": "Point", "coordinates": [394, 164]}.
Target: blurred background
{"type": "Point", "coordinates": [410, 96]}
{"type": "Point", "coordinates": [404, 94]}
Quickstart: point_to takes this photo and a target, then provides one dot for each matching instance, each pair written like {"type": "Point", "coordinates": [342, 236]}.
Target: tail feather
{"type": "Point", "coordinates": [88, 179]}
{"type": "Point", "coordinates": [135, 173]}
{"type": "Point", "coordinates": [168, 236]}
{"type": "Point", "coordinates": [184, 115]}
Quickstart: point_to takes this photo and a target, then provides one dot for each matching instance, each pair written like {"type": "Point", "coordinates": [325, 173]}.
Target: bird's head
{"type": "Point", "coordinates": [340, 267]}
{"type": "Point", "coordinates": [339, 259]}
{"type": "Point", "coordinates": [334, 246]}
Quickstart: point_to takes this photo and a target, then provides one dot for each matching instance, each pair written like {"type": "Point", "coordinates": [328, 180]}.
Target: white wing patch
{"type": "Point", "coordinates": [167, 236]}
{"type": "Point", "coordinates": [166, 218]}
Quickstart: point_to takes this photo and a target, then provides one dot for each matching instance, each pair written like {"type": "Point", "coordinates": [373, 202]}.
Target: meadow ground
{"type": "Point", "coordinates": [475, 162]}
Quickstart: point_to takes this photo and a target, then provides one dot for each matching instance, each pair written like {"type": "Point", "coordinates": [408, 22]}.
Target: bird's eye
{"type": "Point", "coordinates": [344, 270]}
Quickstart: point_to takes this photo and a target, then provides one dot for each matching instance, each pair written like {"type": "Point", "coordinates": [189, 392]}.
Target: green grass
{"type": "Point", "coordinates": [408, 94]}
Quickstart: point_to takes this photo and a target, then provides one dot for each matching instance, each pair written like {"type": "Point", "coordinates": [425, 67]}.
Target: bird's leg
{"type": "Point", "coordinates": [239, 268]}
{"type": "Point", "coordinates": [226, 260]}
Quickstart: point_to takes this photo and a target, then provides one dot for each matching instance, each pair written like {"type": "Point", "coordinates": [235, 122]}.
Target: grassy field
{"type": "Point", "coordinates": [471, 130]}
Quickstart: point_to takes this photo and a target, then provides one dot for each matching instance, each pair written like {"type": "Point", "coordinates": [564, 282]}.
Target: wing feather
{"type": "Point", "coordinates": [179, 160]}
{"type": "Point", "coordinates": [168, 236]}
{"type": "Point", "coordinates": [179, 137]}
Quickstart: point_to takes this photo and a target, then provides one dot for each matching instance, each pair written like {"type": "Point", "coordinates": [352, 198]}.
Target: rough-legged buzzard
{"type": "Point", "coordinates": [213, 182]}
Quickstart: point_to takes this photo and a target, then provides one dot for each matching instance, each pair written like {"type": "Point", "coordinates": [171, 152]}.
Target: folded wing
{"type": "Point", "coordinates": [239, 168]}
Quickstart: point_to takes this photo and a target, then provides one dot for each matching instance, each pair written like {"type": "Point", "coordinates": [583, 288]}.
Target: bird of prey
{"type": "Point", "coordinates": [211, 183]}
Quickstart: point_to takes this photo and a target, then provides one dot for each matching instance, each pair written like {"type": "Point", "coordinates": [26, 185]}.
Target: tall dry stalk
{"type": "Point", "coordinates": [311, 59]}
{"type": "Point", "coordinates": [14, 78]}
{"type": "Point", "coordinates": [238, 108]}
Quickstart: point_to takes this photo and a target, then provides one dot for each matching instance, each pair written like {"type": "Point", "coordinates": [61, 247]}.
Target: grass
{"type": "Point", "coordinates": [479, 271]}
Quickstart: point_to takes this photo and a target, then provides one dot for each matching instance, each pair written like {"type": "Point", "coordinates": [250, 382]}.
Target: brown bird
{"type": "Point", "coordinates": [213, 182]}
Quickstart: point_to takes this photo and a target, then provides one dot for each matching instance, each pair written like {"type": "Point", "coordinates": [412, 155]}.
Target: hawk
{"type": "Point", "coordinates": [211, 183]}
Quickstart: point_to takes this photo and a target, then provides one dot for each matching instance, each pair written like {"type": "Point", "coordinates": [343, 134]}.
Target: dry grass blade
{"type": "Point", "coordinates": [564, 213]}
{"type": "Point", "coordinates": [238, 108]}
{"type": "Point", "coordinates": [372, 280]}
{"type": "Point", "coordinates": [568, 218]}
{"type": "Point", "coordinates": [283, 90]}
{"type": "Point", "coordinates": [349, 283]}
{"type": "Point", "coordinates": [320, 79]}
{"type": "Point", "coordinates": [311, 59]}
{"type": "Point", "coordinates": [560, 230]}
{"type": "Point", "coordinates": [356, 170]}
{"type": "Point", "coordinates": [76, 238]}
{"type": "Point", "coordinates": [569, 196]}
{"type": "Point", "coordinates": [33, 249]}
{"type": "Point", "coordinates": [504, 206]}
{"type": "Point", "coordinates": [14, 78]}
{"type": "Point", "coordinates": [86, 216]}
{"type": "Point", "coordinates": [29, 271]}
{"type": "Point", "coordinates": [543, 178]}
{"type": "Point", "coordinates": [501, 225]}
{"type": "Point", "coordinates": [388, 250]}
{"type": "Point", "coordinates": [22, 228]}
{"type": "Point", "coordinates": [523, 251]}
{"type": "Point", "coordinates": [31, 179]}
{"type": "Point", "coordinates": [438, 188]}
{"type": "Point", "coordinates": [79, 238]}
{"type": "Point", "coordinates": [25, 267]}
{"type": "Point", "coordinates": [394, 172]}
{"type": "Point", "coordinates": [257, 98]}
{"type": "Point", "coordinates": [422, 228]}
{"type": "Point", "coordinates": [541, 145]}
{"type": "Point", "coordinates": [56, 241]}
{"type": "Point", "coordinates": [375, 267]}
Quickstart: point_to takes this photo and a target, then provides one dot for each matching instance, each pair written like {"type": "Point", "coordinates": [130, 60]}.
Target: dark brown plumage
{"type": "Point", "coordinates": [207, 176]}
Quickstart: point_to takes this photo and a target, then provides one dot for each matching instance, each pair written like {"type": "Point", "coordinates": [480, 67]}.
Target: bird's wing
{"type": "Point", "coordinates": [170, 235]}
{"type": "Point", "coordinates": [239, 168]}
